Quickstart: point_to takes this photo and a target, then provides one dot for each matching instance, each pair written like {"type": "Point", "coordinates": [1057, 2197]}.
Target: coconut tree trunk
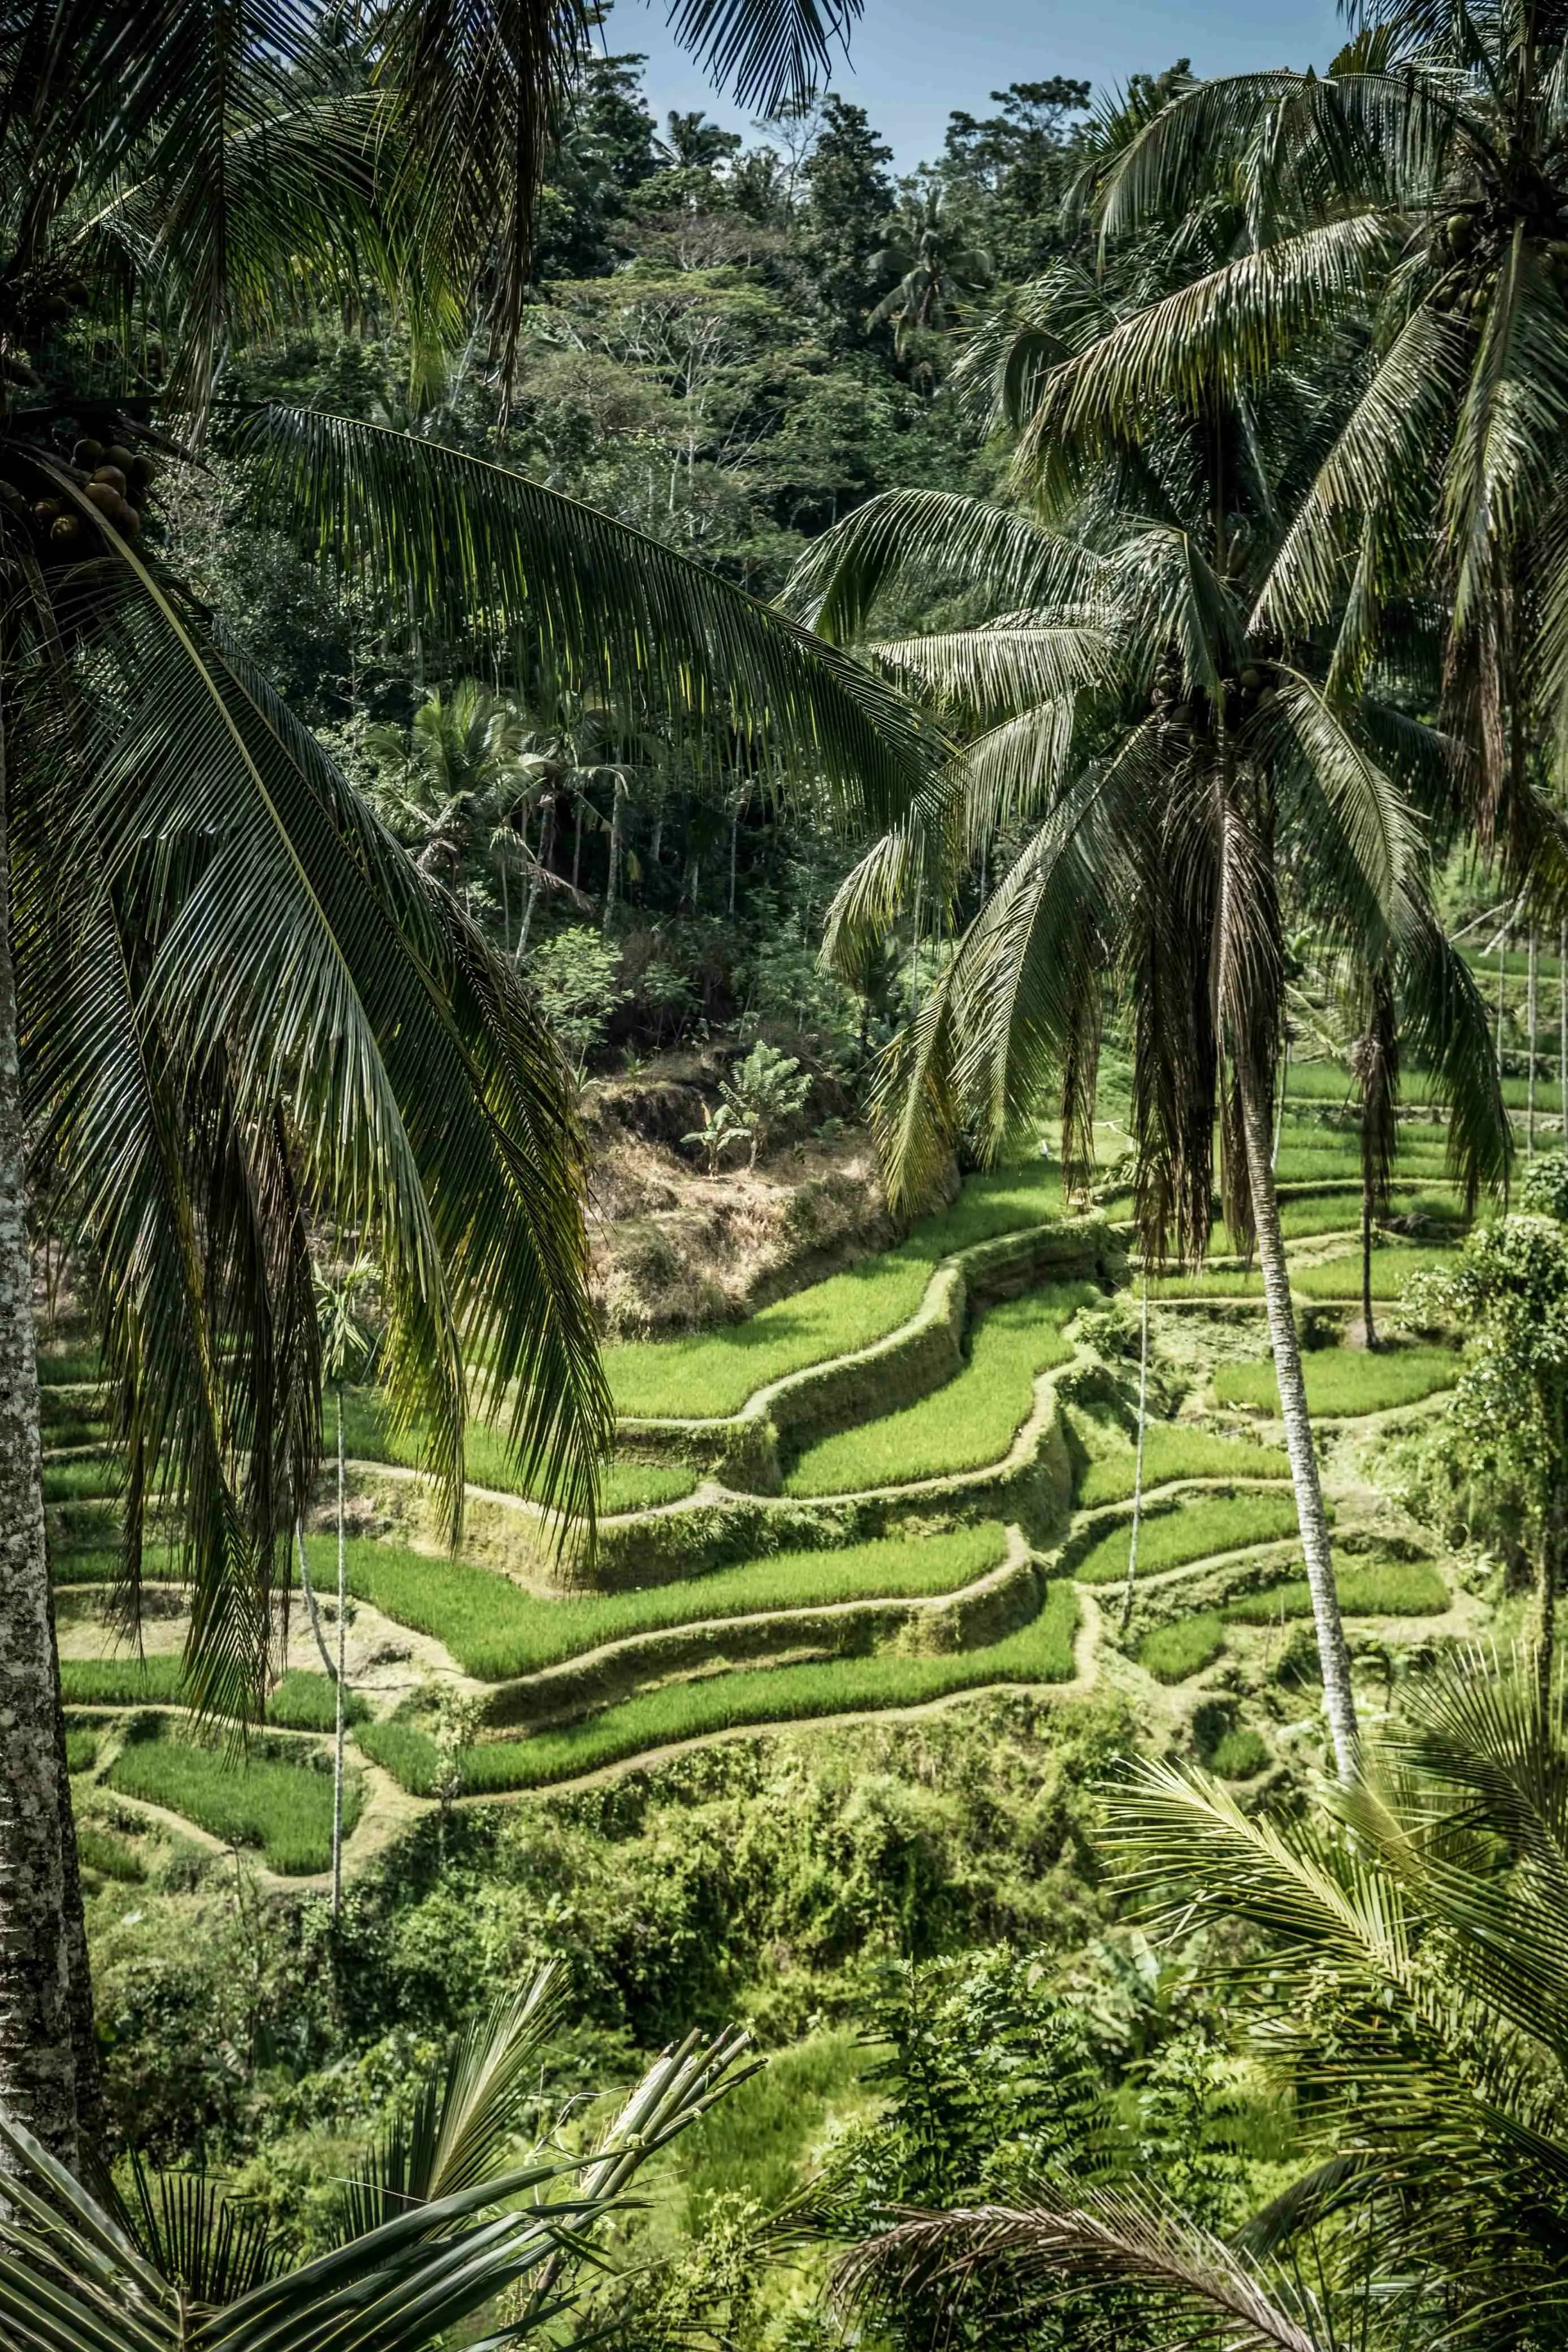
{"type": "Point", "coordinates": [1532, 1011]}
{"type": "Point", "coordinates": [1279, 1105]}
{"type": "Point", "coordinates": [342, 1640]}
{"type": "Point", "coordinates": [1138, 1460]}
{"type": "Point", "coordinates": [311, 1610]}
{"type": "Point", "coordinates": [1310, 1515]}
{"type": "Point", "coordinates": [1562, 1029]}
{"type": "Point", "coordinates": [1546, 1603]}
{"type": "Point", "coordinates": [45, 1995]}
{"type": "Point", "coordinates": [1369, 1331]}
{"type": "Point", "coordinates": [617, 809]}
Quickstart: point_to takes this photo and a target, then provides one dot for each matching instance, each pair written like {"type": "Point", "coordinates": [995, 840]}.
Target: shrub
{"type": "Point", "coordinates": [1185, 1531]}
{"type": "Point", "coordinates": [968, 1424]}
{"type": "Point", "coordinates": [110, 1856]}
{"type": "Point", "coordinates": [1393, 1588]}
{"type": "Point", "coordinates": [494, 1630]}
{"type": "Point", "coordinates": [1176, 1449]}
{"type": "Point", "coordinates": [576, 977]}
{"type": "Point", "coordinates": [1345, 1381]}
{"type": "Point", "coordinates": [1239, 1754]}
{"type": "Point", "coordinates": [765, 1090]}
{"type": "Point", "coordinates": [1040, 1651]}
{"type": "Point", "coordinates": [1172, 1653]}
{"type": "Point", "coordinates": [254, 1799]}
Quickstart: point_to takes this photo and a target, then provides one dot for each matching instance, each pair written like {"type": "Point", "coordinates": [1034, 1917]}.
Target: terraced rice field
{"type": "Point", "coordinates": [714, 1372]}
{"type": "Point", "coordinates": [1041, 1651]}
{"type": "Point", "coordinates": [788, 1552]}
{"type": "Point", "coordinates": [1345, 1380]}
{"type": "Point", "coordinates": [970, 1422]}
{"type": "Point", "coordinates": [282, 1806]}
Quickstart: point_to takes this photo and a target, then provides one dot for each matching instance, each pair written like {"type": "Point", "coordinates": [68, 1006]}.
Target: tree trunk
{"type": "Point", "coordinates": [1138, 1462]}
{"type": "Point", "coordinates": [1279, 1106]}
{"type": "Point", "coordinates": [1368, 1329]}
{"type": "Point", "coordinates": [43, 1998]}
{"type": "Point", "coordinates": [315, 1614]}
{"type": "Point", "coordinates": [617, 806]}
{"type": "Point", "coordinates": [1546, 1606]}
{"type": "Point", "coordinates": [1531, 1011]}
{"type": "Point", "coordinates": [1562, 1029]}
{"type": "Point", "coordinates": [342, 1640]}
{"type": "Point", "coordinates": [1501, 968]}
{"type": "Point", "coordinates": [1310, 1516]}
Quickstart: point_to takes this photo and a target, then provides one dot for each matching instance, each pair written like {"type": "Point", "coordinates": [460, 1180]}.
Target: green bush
{"type": "Point", "coordinates": [1040, 1651]}
{"type": "Point", "coordinates": [307, 1702]}
{"type": "Point", "coordinates": [1240, 1755]}
{"type": "Point", "coordinates": [1172, 1536]}
{"type": "Point", "coordinates": [1393, 1588]}
{"type": "Point", "coordinates": [1176, 1449]}
{"type": "Point", "coordinates": [714, 1372]}
{"type": "Point", "coordinates": [1172, 1653]}
{"type": "Point", "coordinates": [81, 1750]}
{"type": "Point", "coordinates": [1345, 1381]}
{"type": "Point", "coordinates": [110, 1856]}
{"type": "Point", "coordinates": [624, 1485]}
{"type": "Point", "coordinates": [252, 1800]}
{"type": "Point", "coordinates": [496, 1631]}
{"type": "Point", "coordinates": [968, 1424]}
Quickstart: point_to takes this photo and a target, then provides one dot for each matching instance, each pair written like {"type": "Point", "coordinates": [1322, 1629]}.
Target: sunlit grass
{"type": "Point", "coordinates": [1390, 1588]}
{"type": "Point", "coordinates": [624, 1485]}
{"type": "Point", "coordinates": [1345, 1380]}
{"type": "Point", "coordinates": [1172, 1653]}
{"type": "Point", "coordinates": [1176, 1450]}
{"type": "Point", "coordinates": [251, 1800]}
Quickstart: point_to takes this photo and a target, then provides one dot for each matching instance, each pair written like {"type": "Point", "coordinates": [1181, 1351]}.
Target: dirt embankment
{"type": "Point", "coordinates": [675, 1248]}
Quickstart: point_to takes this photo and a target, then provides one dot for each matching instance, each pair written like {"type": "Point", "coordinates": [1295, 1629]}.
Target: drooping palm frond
{"type": "Point", "coordinates": [464, 543]}
{"type": "Point", "coordinates": [1040, 2254]}
{"type": "Point", "coordinates": [1019, 657]}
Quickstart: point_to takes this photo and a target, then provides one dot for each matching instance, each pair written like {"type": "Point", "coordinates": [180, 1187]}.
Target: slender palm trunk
{"type": "Point", "coordinates": [342, 1641]}
{"type": "Point", "coordinates": [617, 808]}
{"type": "Point", "coordinates": [1562, 1029]}
{"type": "Point", "coordinates": [1368, 1329]}
{"type": "Point", "coordinates": [1501, 965]}
{"type": "Point", "coordinates": [1279, 1105]}
{"type": "Point", "coordinates": [1138, 1460]}
{"type": "Point", "coordinates": [311, 1610]}
{"type": "Point", "coordinates": [1546, 1603]}
{"type": "Point", "coordinates": [1532, 1014]}
{"type": "Point", "coordinates": [45, 1993]}
{"type": "Point", "coordinates": [1310, 1516]}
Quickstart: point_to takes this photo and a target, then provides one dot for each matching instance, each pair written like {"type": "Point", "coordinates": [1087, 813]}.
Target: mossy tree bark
{"type": "Point", "coordinates": [45, 1998]}
{"type": "Point", "coordinates": [1310, 1515]}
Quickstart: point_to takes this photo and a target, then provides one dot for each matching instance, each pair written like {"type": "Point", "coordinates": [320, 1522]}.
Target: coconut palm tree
{"type": "Point", "coordinates": [1422, 181]}
{"type": "Point", "coordinates": [464, 2204]}
{"type": "Point", "coordinates": [931, 265]}
{"type": "Point", "coordinates": [1414, 1990]}
{"type": "Point", "coordinates": [1174, 757]}
{"type": "Point", "coordinates": [228, 1005]}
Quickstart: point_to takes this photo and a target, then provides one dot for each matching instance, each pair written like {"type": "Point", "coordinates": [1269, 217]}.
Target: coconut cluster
{"type": "Point", "coordinates": [1185, 711]}
{"type": "Point", "coordinates": [111, 479]}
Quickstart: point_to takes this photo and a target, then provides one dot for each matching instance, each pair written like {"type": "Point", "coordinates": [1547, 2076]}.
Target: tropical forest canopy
{"type": "Point", "coordinates": [783, 1191]}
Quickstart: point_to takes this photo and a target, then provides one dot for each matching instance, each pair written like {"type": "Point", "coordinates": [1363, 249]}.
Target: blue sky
{"type": "Point", "coordinates": [912, 61]}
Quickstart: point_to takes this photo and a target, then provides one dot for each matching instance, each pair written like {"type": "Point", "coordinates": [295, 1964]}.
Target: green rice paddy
{"type": "Point", "coordinates": [1175, 1450]}
{"type": "Point", "coordinates": [495, 1630]}
{"type": "Point", "coordinates": [1172, 1653]}
{"type": "Point", "coordinates": [1393, 1588]}
{"type": "Point", "coordinates": [1172, 1537]}
{"type": "Point", "coordinates": [285, 1809]}
{"type": "Point", "coordinates": [965, 1424]}
{"type": "Point", "coordinates": [1345, 1381]}
{"type": "Point", "coordinates": [1040, 1651]}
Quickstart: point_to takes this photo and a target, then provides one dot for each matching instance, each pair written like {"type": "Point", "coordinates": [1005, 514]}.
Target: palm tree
{"type": "Point", "coordinates": [1375, 1067]}
{"type": "Point", "coordinates": [1414, 1988]}
{"type": "Point", "coordinates": [464, 2204]}
{"type": "Point", "coordinates": [347, 1346]}
{"type": "Point", "coordinates": [229, 1009]}
{"type": "Point", "coordinates": [932, 266]}
{"type": "Point", "coordinates": [1421, 185]}
{"type": "Point", "coordinates": [462, 771]}
{"type": "Point", "coordinates": [1168, 790]}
